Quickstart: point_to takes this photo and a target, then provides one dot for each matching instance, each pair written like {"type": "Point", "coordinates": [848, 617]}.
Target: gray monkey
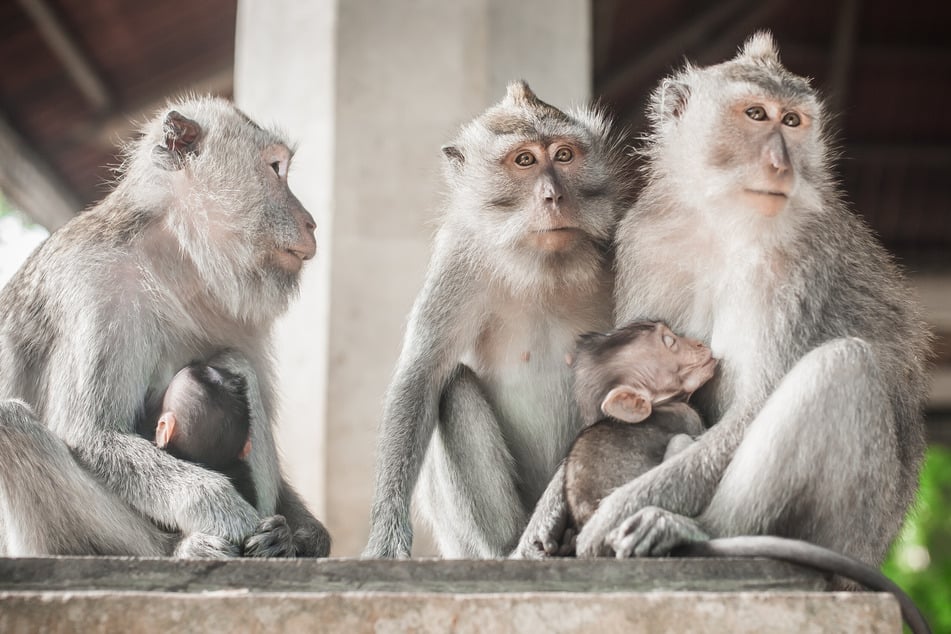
{"type": "Point", "coordinates": [480, 408]}
{"type": "Point", "coordinates": [192, 256]}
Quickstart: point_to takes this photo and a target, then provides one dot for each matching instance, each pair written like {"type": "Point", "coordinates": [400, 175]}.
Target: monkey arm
{"type": "Point", "coordinates": [431, 349]}
{"type": "Point", "coordinates": [173, 493]}
{"type": "Point", "coordinates": [543, 535]}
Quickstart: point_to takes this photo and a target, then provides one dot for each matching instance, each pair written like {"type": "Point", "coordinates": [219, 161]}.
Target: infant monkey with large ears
{"type": "Point", "coordinates": [631, 385]}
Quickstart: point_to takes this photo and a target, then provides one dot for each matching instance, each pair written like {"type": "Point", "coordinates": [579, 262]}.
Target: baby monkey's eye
{"type": "Point", "coordinates": [564, 155]}
{"type": "Point", "coordinates": [525, 159]}
{"type": "Point", "coordinates": [791, 119]}
{"type": "Point", "coordinates": [756, 113]}
{"type": "Point", "coordinates": [668, 340]}
{"type": "Point", "coordinates": [276, 166]}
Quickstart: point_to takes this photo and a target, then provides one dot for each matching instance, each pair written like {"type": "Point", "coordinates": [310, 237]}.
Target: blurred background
{"type": "Point", "coordinates": [371, 89]}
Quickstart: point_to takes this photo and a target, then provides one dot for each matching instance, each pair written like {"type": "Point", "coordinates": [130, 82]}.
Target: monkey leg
{"type": "Point", "coordinates": [51, 506]}
{"type": "Point", "coordinates": [468, 487]}
{"type": "Point", "coordinates": [820, 462]}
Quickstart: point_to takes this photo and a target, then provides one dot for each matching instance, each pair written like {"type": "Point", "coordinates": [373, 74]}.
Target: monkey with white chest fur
{"type": "Point", "coordinates": [817, 408]}
{"type": "Point", "coordinates": [480, 407]}
{"type": "Point", "coordinates": [191, 257]}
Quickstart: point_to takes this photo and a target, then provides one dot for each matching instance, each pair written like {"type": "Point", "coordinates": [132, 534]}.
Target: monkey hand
{"type": "Point", "coordinates": [272, 538]}
{"type": "Point", "coordinates": [312, 540]}
{"type": "Point", "coordinates": [544, 536]}
{"type": "Point", "coordinates": [614, 509]}
{"type": "Point", "coordinates": [653, 532]}
{"type": "Point", "coordinates": [214, 508]}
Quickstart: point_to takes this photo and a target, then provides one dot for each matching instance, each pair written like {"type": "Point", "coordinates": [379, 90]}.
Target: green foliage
{"type": "Point", "coordinates": [5, 207]}
{"type": "Point", "coordinates": [920, 560]}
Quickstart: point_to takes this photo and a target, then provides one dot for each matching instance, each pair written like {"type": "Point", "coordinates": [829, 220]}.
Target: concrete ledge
{"type": "Point", "coordinates": [96, 595]}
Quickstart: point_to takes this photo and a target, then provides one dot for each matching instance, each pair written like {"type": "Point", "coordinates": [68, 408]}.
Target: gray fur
{"type": "Point", "coordinates": [503, 424]}
{"type": "Point", "coordinates": [818, 402]}
{"type": "Point", "coordinates": [177, 264]}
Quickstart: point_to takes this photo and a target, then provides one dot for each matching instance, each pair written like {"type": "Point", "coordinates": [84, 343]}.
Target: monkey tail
{"type": "Point", "coordinates": [806, 554]}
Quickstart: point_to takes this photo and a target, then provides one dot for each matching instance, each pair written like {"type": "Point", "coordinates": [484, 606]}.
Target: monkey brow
{"type": "Point", "coordinates": [786, 87]}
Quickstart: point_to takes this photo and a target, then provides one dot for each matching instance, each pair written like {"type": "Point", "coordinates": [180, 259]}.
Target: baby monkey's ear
{"type": "Point", "coordinates": [626, 404]}
{"type": "Point", "coordinates": [165, 430]}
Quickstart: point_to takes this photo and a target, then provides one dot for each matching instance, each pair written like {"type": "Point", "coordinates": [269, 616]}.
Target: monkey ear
{"type": "Point", "coordinates": [246, 450]}
{"type": "Point", "coordinates": [626, 404]}
{"type": "Point", "coordinates": [454, 154]}
{"type": "Point", "coordinates": [181, 139]}
{"type": "Point", "coordinates": [165, 430]}
{"type": "Point", "coordinates": [671, 99]}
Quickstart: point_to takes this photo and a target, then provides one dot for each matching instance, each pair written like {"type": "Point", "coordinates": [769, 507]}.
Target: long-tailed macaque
{"type": "Point", "coordinates": [205, 419]}
{"type": "Point", "coordinates": [522, 266]}
{"type": "Point", "coordinates": [631, 385]}
{"type": "Point", "coordinates": [192, 257]}
{"type": "Point", "coordinates": [816, 409]}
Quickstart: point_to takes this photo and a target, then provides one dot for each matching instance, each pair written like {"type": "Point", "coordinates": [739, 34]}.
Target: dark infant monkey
{"type": "Point", "coordinates": [640, 373]}
{"type": "Point", "coordinates": [206, 420]}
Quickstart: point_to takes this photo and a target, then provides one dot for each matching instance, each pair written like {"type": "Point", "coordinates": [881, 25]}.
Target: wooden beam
{"type": "Point", "coordinates": [843, 52]}
{"type": "Point", "coordinates": [80, 68]}
{"type": "Point", "coordinates": [658, 59]}
{"type": "Point", "coordinates": [30, 184]}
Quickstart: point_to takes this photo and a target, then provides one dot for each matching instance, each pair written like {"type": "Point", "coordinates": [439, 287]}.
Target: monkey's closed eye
{"type": "Point", "coordinates": [524, 159]}
{"type": "Point", "coordinates": [564, 155]}
{"type": "Point", "coordinates": [756, 113]}
{"type": "Point", "coordinates": [668, 340]}
{"type": "Point", "coordinates": [791, 119]}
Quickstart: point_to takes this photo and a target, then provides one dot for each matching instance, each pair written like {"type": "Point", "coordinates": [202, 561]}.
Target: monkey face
{"type": "Point", "coordinates": [680, 365]}
{"type": "Point", "coordinates": [546, 174]}
{"type": "Point", "coordinates": [289, 226]}
{"type": "Point", "coordinates": [742, 139]}
{"type": "Point", "coordinates": [536, 191]}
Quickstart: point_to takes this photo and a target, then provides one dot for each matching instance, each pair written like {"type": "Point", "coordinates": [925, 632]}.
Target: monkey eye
{"type": "Point", "coordinates": [668, 340]}
{"type": "Point", "coordinates": [524, 159]}
{"type": "Point", "coordinates": [276, 166]}
{"type": "Point", "coordinates": [756, 113]}
{"type": "Point", "coordinates": [791, 119]}
{"type": "Point", "coordinates": [564, 155]}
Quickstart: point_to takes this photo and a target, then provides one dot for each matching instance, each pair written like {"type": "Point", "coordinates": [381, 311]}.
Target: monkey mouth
{"type": "Point", "coordinates": [554, 239]}
{"type": "Point", "coordinates": [291, 260]}
{"type": "Point", "coordinates": [767, 192]}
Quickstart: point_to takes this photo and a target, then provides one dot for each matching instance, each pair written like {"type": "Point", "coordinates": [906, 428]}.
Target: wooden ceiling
{"type": "Point", "coordinates": [73, 72]}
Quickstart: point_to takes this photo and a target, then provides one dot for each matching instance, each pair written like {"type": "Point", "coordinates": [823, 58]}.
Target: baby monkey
{"type": "Point", "coordinates": [206, 420]}
{"type": "Point", "coordinates": [640, 373]}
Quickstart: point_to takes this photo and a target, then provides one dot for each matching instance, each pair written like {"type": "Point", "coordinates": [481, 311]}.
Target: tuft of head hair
{"type": "Point", "coordinates": [760, 48]}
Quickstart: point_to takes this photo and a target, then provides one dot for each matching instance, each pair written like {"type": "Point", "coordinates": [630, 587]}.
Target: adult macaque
{"type": "Point", "coordinates": [522, 265]}
{"type": "Point", "coordinates": [817, 406]}
{"type": "Point", "coordinates": [192, 256]}
{"type": "Point", "coordinates": [631, 386]}
{"type": "Point", "coordinates": [205, 419]}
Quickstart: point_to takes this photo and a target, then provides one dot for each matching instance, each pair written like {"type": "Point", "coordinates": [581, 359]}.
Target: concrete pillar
{"type": "Point", "coordinates": [371, 89]}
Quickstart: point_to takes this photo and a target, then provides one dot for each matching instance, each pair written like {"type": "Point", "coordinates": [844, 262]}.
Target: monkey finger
{"type": "Point", "coordinates": [204, 546]}
{"type": "Point", "coordinates": [272, 538]}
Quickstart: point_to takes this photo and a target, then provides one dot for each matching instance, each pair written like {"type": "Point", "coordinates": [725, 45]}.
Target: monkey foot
{"type": "Point", "coordinates": [653, 532]}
